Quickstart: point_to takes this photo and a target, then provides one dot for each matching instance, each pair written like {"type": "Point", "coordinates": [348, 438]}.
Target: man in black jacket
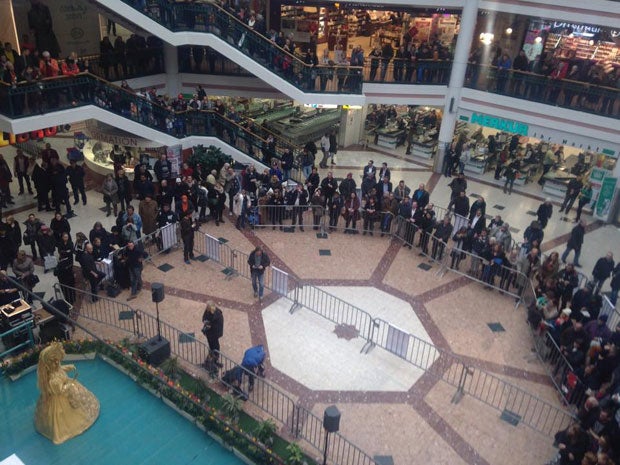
{"type": "Point", "coordinates": [258, 262]}
{"type": "Point", "coordinates": [575, 241]}
{"type": "Point", "coordinates": [90, 271]}
{"type": "Point", "coordinates": [213, 329]}
{"type": "Point", "coordinates": [134, 255]}
{"type": "Point", "coordinates": [443, 232]}
{"type": "Point", "coordinates": [58, 181]}
{"type": "Point", "coordinates": [347, 186]}
{"type": "Point", "coordinates": [602, 270]}
{"type": "Point", "coordinates": [76, 174]}
{"type": "Point", "coordinates": [572, 192]}
{"type": "Point", "coordinates": [298, 199]}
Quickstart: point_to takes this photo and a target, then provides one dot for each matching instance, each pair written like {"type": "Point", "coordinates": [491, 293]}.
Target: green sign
{"type": "Point", "coordinates": [597, 175]}
{"type": "Point", "coordinates": [605, 198]}
{"type": "Point", "coordinates": [513, 127]}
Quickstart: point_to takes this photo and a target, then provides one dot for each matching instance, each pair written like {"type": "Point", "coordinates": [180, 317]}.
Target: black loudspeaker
{"type": "Point", "coordinates": [154, 351]}
{"type": "Point", "coordinates": [331, 419]}
{"type": "Point", "coordinates": [157, 292]}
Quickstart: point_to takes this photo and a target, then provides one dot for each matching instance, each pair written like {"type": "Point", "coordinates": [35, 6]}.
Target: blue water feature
{"type": "Point", "coordinates": [133, 427]}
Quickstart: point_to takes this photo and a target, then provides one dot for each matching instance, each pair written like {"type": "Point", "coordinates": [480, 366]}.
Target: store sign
{"type": "Point", "coordinates": [605, 198]}
{"type": "Point", "coordinates": [174, 154]}
{"type": "Point", "coordinates": [501, 124]}
{"type": "Point", "coordinates": [320, 105]}
{"type": "Point", "coordinates": [12, 139]}
{"type": "Point", "coordinates": [579, 29]}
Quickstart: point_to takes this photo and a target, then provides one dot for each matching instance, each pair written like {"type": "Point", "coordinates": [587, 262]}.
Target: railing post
{"type": "Point", "coordinates": [460, 390]}
{"type": "Point", "coordinates": [296, 421]}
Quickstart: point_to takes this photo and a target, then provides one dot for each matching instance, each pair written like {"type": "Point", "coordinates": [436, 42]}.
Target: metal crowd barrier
{"type": "Point", "coordinates": [299, 422]}
{"type": "Point", "coordinates": [560, 371]}
{"type": "Point", "coordinates": [536, 413]}
{"type": "Point", "coordinates": [506, 279]}
{"type": "Point", "coordinates": [613, 316]}
{"type": "Point", "coordinates": [15, 334]}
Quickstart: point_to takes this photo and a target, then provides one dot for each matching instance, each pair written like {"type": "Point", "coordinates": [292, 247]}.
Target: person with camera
{"type": "Point", "coordinates": [213, 329]}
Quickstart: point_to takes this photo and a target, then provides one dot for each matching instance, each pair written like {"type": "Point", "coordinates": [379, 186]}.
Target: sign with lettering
{"type": "Point", "coordinates": [501, 124]}
{"type": "Point", "coordinates": [572, 137]}
{"type": "Point", "coordinates": [605, 198]}
{"type": "Point", "coordinates": [12, 139]}
{"type": "Point", "coordinates": [76, 24]}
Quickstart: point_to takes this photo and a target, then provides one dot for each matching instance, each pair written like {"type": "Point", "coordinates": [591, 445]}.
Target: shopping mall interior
{"type": "Point", "coordinates": [438, 334]}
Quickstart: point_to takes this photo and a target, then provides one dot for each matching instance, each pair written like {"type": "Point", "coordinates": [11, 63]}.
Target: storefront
{"type": "Point", "coordinates": [104, 146]}
{"type": "Point", "coordinates": [393, 126]}
{"type": "Point", "coordinates": [573, 154]}
{"type": "Point", "coordinates": [584, 45]}
{"type": "Point", "coordinates": [340, 26]}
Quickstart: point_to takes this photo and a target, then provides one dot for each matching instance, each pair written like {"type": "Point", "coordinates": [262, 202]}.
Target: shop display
{"type": "Point", "coordinates": [480, 155]}
{"type": "Point", "coordinates": [304, 125]}
{"type": "Point", "coordinates": [391, 127]}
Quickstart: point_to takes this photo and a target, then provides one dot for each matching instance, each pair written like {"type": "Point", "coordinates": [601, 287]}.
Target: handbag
{"type": "Point", "coordinates": [26, 239]}
{"type": "Point", "coordinates": [32, 280]}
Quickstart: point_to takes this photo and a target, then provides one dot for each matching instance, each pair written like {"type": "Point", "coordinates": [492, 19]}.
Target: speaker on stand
{"type": "Point", "coordinates": [157, 349]}
{"type": "Point", "coordinates": [331, 424]}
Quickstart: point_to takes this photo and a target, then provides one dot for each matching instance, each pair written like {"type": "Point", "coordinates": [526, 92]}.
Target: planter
{"type": "Point", "coordinates": [181, 412]}
{"type": "Point", "coordinates": [242, 457]}
{"type": "Point", "coordinates": [118, 367]}
{"type": "Point", "coordinates": [16, 376]}
{"type": "Point", "coordinates": [80, 357]}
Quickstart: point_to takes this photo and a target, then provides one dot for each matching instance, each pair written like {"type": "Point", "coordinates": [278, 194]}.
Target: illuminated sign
{"type": "Point", "coordinates": [320, 105]}
{"type": "Point", "coordinates": [501, 124]}
{"type": "Point", "coordinates": [12, 139]}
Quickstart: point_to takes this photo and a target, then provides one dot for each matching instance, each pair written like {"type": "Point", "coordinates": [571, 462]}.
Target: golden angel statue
{"type": "Point", "coordinates": [65, 408]}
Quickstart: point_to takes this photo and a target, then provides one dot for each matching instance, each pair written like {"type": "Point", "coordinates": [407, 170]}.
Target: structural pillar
{"type": "Point", "coordinates": [171, 63]}
{"type": "Point", "coordinates": [469, 16]}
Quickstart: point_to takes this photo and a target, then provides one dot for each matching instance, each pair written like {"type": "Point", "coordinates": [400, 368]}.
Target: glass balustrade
{"type": "Point", "coordinates": [63, 93]}
{"type": "Point", "coordinates": [565, 93]}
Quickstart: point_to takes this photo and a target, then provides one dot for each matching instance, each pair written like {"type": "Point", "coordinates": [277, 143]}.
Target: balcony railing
{"type": "Point", "coordinates": [331, 78]}
{"type": "Point", "coordinates": [67, 92]}
{"type": "Point", "coordinates": [565, 93]}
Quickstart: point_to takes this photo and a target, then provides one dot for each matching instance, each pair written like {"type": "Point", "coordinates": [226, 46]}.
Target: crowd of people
{"type": "Point", "coordinates": [558, 78]}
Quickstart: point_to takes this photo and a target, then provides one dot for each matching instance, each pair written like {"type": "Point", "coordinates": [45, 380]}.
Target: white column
{"type": "Point", "coordinates": [171, 62]}
{"type": "Point", "coordinates": [351, 127]}
{"type": "Point", "coordinates": [469, 16]}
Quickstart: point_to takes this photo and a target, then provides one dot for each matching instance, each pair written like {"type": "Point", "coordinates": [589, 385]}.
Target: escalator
{"type": "Point", "coordinates": [207, 24]}
{"type": "Point", "coordinates": [31, 107]}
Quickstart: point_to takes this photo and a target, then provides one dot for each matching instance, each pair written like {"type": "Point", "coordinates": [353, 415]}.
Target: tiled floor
{"type": "Point", "coordinates": [385, 411]}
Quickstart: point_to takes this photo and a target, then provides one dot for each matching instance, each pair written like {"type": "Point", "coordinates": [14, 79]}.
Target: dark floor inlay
{"type": "Point", "coordinates": [126, 315]}
{"type": "Point", "coordinates": [41, 295]}
{"type": "Point", "coordinates": [496, 327]}
{"type": "Point", "coordinates": [222, 240]}
{"type": "Point", "coordinates": [531, 213]}
{"type": "Point", "coordinates": [347, 332]}
{"type": "Point", "coordinates": [321, 235]}
{"type": "Point", "coordinates": [475, 196]}
{"type": "Point", "coordinates": [498, 207]}
{"type": "Point", "coordinates": [186, 337]}
{"type": "Point", "coordinates": [325, 252]}
{"type": "Point", "coordinates": [514, 230]}
{"type": "Point", "coordinates": [228, 271]}
{"type": "Point", "coordinates": [165, 267]}
{"type": "Point", "coordinates": [383, 460]}
{"type": "Point", "coordinates": [103, 209]}
{"type": "Point", "coordinates": [566, 219]}
{"type": "Point", "coordinates": [289, 229]}
{"type": "Point", "coordinates": [424, 266]}
{"type": "Point", "coordinates": [202, 258]}
{"type": "Point", "coordinates": [510, 417]}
